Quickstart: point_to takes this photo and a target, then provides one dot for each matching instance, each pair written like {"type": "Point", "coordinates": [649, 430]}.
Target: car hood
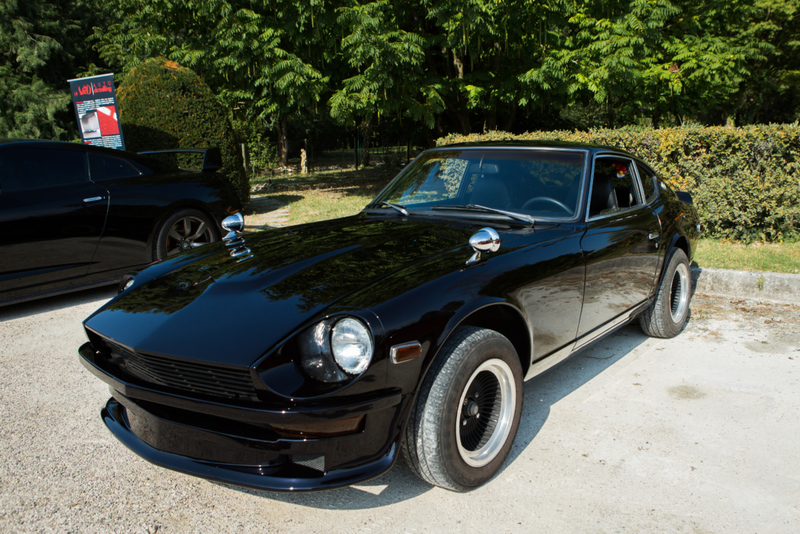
{"type": "Point", "coordinates": [209, 306]}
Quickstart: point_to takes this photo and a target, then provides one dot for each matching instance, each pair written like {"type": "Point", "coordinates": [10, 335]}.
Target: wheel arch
{"type": "Point", "coordinates": [682, 243]}
{"type": "Point", "coordinates": [502, 317]}
{"type": "Point", "coordinates": [678, 241]}
{"type": "Point", "coordinates": [175, 207]}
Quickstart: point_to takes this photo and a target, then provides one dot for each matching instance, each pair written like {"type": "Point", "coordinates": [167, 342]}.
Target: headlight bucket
{"type": "Point", "coordinates": [335, 349]}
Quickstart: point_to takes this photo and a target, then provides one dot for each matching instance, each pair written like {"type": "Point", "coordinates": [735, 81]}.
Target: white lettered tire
{"type": "Point", "coordinates": [467, 411]}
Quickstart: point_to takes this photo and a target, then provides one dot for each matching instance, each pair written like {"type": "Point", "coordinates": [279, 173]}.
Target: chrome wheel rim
{"type": "Point", "coordinates": [485, 413]}
{"type": "Point", "coordinates": [679, 293]}
{"type": "Point", "coordinates": [187, 233]}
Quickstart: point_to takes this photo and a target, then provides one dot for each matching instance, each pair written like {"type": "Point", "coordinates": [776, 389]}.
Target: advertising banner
{"type": "Point", "coordinates": [96, 109]}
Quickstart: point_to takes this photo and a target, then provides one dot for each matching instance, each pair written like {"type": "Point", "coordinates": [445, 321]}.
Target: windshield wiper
{"type": "Point", "coordinates": [477, 207]}
{"type": "Point", "coordinates": [401, 209]}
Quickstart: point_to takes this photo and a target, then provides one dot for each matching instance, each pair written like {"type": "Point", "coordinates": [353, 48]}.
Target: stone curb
{"type": "Point", "coordinates": [777, 287]}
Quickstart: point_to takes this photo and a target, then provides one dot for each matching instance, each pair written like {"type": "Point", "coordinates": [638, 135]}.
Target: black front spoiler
{"type": "Point", "coordinates": [287, 476]}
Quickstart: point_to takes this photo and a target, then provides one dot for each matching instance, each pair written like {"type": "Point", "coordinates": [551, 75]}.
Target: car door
{"type": "Point", "coordinates": [620, 245]}
{"type": "Point", "coordinates": [130, 213]}
{"type": "Point", "coordinates": [51, 217]}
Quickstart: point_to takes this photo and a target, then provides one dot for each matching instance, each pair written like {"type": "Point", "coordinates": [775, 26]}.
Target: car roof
{"type": "Point", "coordinates": [152, 163]}
{"type": "Point", "coordinates": [57, 144]}
{"type": "Point", "coordinates": [515, 143]}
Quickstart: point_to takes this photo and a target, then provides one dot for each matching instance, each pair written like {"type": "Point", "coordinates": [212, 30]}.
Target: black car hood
{"type": "Point", "coordinates": [209, 306]}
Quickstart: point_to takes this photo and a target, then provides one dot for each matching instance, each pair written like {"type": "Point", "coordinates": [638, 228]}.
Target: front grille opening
{"type": "Point", "coordinates": [185, 377]}
{"type": "Point", "coordinates": [315, 462]}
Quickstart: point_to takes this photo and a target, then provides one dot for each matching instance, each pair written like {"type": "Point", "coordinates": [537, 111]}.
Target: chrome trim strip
{"type": "Point", "coordinates": [546, 363]}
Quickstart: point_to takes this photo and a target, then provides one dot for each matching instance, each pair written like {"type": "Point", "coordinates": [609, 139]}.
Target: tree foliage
{"type": "Point", "coordinates": [428, 67]}
{"type": "Point", "coordinates": [42, 44]}
{"type": "Point", "coordinates": [165, 106]}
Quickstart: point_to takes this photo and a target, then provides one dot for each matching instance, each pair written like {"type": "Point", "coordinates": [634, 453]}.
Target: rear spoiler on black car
{"type": "Point", "coordinates": [684, 196]}
{"type": "Point", "coordinates": [212, 158]}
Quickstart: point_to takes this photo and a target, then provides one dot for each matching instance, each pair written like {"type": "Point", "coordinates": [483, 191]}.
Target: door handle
{"type": "Point", "coordinates": [653, 236]}
{"type": "Point", "coordinates": [92, 199]}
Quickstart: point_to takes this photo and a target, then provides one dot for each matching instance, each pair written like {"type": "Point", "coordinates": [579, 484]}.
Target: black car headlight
{"type": "Point", "coordinates": [336, 349]}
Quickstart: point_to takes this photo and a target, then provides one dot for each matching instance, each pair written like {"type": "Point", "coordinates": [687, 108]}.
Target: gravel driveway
{"type": "Point", "coordinates": [695, 434]}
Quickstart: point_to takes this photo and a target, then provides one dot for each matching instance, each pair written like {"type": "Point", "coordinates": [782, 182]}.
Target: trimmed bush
{"type": "Point", "coordinates": [165, 106]}
{"type": "Point", "coordinates": [744, 181]}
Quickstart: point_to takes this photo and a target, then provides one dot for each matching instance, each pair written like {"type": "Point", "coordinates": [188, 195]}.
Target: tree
{"type": "Point", "coordinates": [257, 56]}
{"type": "Point", "coordinates": [389, 78]}
{"type": "Point", "coordinates": [41, 47]}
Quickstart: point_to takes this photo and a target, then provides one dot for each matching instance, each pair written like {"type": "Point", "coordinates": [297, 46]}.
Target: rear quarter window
{"type": "Point", "coordinates": [106, 168]}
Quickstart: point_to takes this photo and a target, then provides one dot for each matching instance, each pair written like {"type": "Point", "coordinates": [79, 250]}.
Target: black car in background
{"type": "Point", "coordinates": [319, 353]}
{"type": "Point", "coordinates": [74, 216]}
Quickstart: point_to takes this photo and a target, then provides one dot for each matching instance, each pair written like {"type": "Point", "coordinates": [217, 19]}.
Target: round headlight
{"type": "Point", "coordinates": [351, 344]}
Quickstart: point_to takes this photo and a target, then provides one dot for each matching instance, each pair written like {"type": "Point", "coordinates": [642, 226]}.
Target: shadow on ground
{"type": "Point", "coordinates": [49, 304]}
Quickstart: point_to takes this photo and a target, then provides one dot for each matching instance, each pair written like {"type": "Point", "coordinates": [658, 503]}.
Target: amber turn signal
{"type": "Point", "coordinates": [405, 352]}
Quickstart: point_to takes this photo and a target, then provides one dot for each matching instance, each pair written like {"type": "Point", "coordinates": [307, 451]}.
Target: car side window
{"type": "Point", "coordinates": [22, 169]}
{"type": "Point", "coordinates": [649, 179]}
{"type": "Point", "coordinates": [104, 168]}
{"type": "Point", "coordinates": [613, 187]}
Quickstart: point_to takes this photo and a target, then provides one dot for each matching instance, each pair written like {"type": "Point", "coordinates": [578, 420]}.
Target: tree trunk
{"type": "Point", "coordinates": [512, 114]}
{"type": "Point", "coordinates": [366, 126]}
{"type": "Point", "coordinates": [459, 65]}
{"type": "Point", "coordinates": [283, 142]}
{"type": "Point", "coordinates": [490, 121]}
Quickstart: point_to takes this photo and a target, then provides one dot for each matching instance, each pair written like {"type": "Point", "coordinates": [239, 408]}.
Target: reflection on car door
{"type": "Point", "coordinates": [51, 217]}
{"type": "Point", "coordinates": [620, 245]}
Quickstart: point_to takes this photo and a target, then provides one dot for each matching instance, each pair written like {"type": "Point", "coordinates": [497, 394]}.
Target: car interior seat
{"type": "Point", "coordinates": [490, 191]}
{"type": "Point", "coordinates": [604, 198]}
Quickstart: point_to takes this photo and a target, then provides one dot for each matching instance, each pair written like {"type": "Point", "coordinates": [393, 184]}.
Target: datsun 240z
{"type": "Point", "coordinates": [311, 357]}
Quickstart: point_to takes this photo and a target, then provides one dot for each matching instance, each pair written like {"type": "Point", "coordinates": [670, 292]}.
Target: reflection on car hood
{"type": "Point", "coordinates": [221, 310]}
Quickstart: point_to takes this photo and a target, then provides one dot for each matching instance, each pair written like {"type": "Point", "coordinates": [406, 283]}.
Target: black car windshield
{"type": "Point", "coordinates": [540, 183]}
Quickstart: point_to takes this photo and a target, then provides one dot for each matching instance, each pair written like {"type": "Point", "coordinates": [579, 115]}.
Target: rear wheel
{"type": "Point", "coordinates": [667, 315]}
{"type": "Point", "coordinates": [467, 412]}
{"type": "Point", "coordinates": [183, 230]}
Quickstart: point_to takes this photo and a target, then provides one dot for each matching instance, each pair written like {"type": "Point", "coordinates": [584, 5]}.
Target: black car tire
{"type": "Point", "coordinates": [667, 315]}
{"type": "Point", "coordinates": [183, 230]}
{"type": "Point", "coordinates": [446, 442]}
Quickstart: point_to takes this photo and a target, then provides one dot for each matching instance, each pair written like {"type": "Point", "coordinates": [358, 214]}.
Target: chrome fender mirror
{"type": "Point", "coordinates": [485, 240]}
{"type": "Point", "coordinates": [233, 225]}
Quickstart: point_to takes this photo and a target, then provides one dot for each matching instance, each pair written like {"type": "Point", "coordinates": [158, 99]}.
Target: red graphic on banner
{"type": "Point", "coordinates": [109, 125]}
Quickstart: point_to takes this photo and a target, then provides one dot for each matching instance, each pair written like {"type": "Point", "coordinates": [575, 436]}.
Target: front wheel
{"type": "Point", "coordinates": [183, 230]}
{"type": "Point", "coordinates": [667, 315]}
{"type": "Point", "coordinates": [467, 411]}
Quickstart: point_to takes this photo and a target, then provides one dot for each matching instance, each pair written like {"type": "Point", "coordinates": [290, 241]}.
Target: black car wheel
{"type": "Point", "coordinates": [667, 315]}
{"type": "Point", "coordinates": [467, 412]}
{"type": "Point", "coordinates": [181, 231]}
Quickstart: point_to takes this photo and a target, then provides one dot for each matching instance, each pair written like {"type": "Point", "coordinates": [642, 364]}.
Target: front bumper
{"type": "Point", "coordinates": [236, 445]}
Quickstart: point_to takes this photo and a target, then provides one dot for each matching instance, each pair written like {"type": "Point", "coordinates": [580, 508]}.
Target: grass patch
{"type": "Point", "coordinates": [772, 257]}
{"type": "Point", "coordinates": [365, 177]}
{"type": "Point", "coordinates": [321, 204]}
{"type": "Point", "coordinates": [327, 194]}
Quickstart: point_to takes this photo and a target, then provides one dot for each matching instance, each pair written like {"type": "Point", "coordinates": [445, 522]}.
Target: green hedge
{"type": "Point", "coordinates": [164, 105]}
{"type": "Point", "coordinates": [745, 181]}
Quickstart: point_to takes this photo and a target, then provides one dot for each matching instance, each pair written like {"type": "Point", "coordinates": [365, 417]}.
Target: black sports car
{"type": "Point", "coordinates": [74, 216]}
{"type": "Point", "coordinates": [310, 357]}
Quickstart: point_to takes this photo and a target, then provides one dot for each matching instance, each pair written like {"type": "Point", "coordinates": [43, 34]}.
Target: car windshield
{"type": "Point", "coordinates": [538, 183]}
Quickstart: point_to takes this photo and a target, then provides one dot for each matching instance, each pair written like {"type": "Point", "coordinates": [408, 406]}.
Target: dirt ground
{"type": "Point", "coordinates": [694, 434]}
